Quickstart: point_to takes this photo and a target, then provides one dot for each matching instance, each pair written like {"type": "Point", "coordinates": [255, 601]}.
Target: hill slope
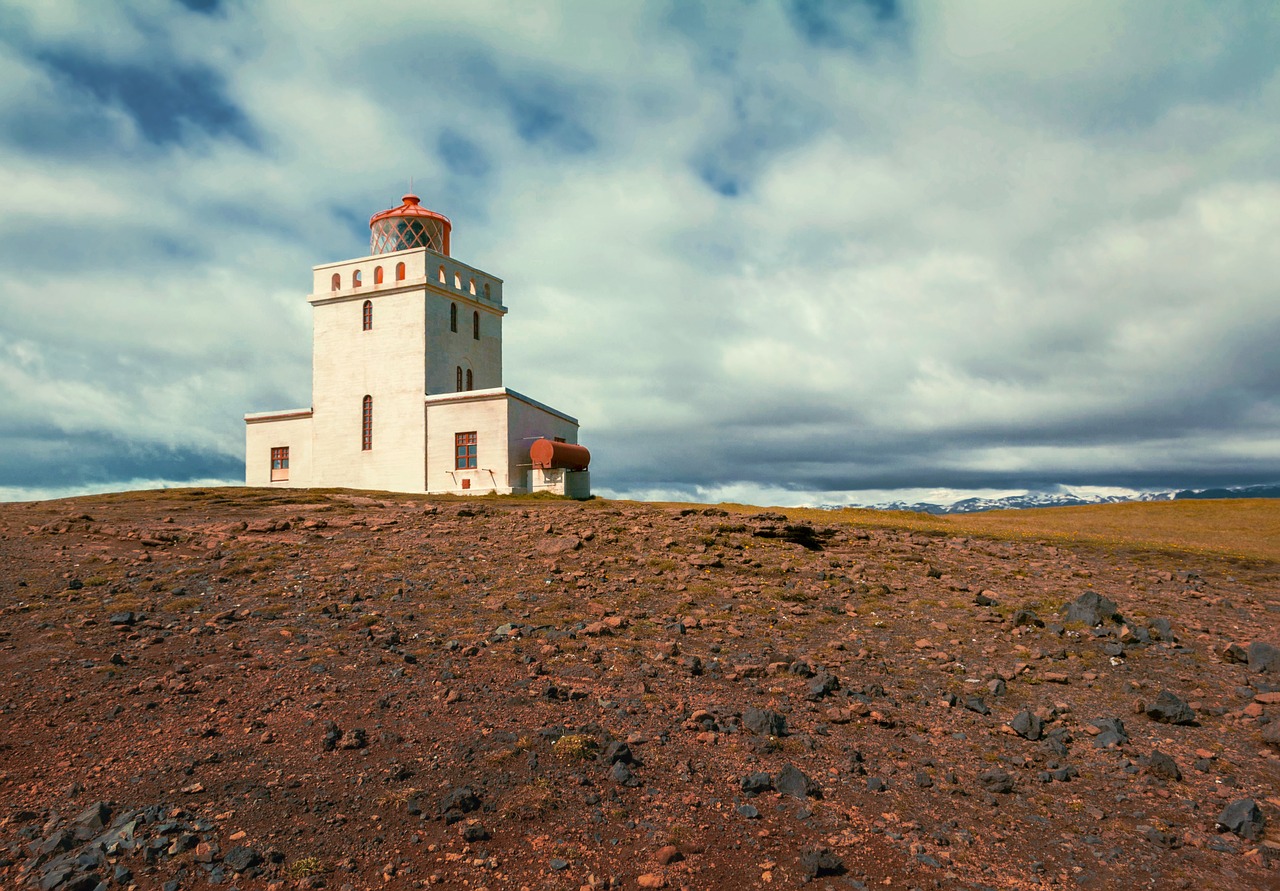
{"type": "Point", "coordinates": [367, 690]}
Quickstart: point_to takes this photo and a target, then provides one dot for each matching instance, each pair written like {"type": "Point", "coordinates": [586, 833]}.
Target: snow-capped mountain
{"type": "Point", "coordinates": [1066, 497]}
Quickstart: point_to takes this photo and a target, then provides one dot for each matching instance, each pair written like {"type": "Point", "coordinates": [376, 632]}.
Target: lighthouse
{"type": "Point", "coordinates": [407, 391]}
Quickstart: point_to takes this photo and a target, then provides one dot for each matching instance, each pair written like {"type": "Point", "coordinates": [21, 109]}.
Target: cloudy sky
{"type": "Point", "coordinates": [782, 251]}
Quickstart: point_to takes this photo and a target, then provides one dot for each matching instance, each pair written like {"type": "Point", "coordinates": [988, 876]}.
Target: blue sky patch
{"type": "Point", "coordinates": [163, 101]}
{"type": "Point", "coordinates": [461, 155]}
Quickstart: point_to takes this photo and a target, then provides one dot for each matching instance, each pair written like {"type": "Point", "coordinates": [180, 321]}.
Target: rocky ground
{"type": "Point", "coordinates": [288, 689]}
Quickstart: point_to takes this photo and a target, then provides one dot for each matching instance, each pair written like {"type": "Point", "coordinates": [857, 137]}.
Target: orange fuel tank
{"type": "Point", "coordinates": [547, 455]}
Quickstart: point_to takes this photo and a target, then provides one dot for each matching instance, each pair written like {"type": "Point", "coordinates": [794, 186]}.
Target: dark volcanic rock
{"type": "Point", "coordinates": [823, 685]}
{"type": "Point", "coordinates": [1027, 725]}
{"type": "Point", "coordinates": [1170, 709]}
{"type": "Point", "coordinates": [1091, 609]}
{"type": "Point", "coordinates": [1158, 764]}
{"type": "Point", "coordinates": [755, 783]}
{"type": "Point", "coordinates": [1113, 733]}
{"type": "Point", "coordinates": [792, 781]}
{"type": "Point", "coordinates": [1263, 657]}
{"type": "Point", "coordinates": [241, 858]}
{"type": "Point", "coordinates": [815, 862]}
{"type": "Point", "coordinates": [764, 722]}
{"type": "Point", "coordinates": [996, 781]}
{"type": "Point", "coordinates": [1244, 818]}
{"type": "Point", "coordinates": [462, 800]}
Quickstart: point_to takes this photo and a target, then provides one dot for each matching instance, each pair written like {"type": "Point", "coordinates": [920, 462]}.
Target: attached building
{"type": "Point", "coordinates": [407, 391]}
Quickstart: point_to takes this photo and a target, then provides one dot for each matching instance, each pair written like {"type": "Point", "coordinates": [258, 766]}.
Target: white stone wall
{"type": "Point", "coordinates": [265, 432]}
{"type": "Point", "coordinates": [446, 350]}
{"type": "Point", "coordinates": [528, 422]}
{"type": "Point", "coordinates": [486, 415]}
{"type": "Point", "coordinates": [421, 267]}
{"type": "Point", "coordinates": [384, 362]}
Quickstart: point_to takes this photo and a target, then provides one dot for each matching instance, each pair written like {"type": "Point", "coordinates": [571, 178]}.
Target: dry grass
{"type": "Point", "coordinates": [1232, 528]}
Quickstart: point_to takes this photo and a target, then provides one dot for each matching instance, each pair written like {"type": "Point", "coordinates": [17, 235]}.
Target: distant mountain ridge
{"type": "Point", "coordinates": [1068, 498]}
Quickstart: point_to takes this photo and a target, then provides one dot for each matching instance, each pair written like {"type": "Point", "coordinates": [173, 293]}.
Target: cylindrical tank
{"type": "Point", "coordinates": [548, 455]}
{"type": "Point", "coordinates": [409, 226]}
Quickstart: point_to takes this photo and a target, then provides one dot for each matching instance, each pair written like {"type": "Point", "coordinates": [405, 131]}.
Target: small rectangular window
{"type": "Point", "coordinates": [464, 451]}
{"type": "Point", "coordinates": [279, 464]}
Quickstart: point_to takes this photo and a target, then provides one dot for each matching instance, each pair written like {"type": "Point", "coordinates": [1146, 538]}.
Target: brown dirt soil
{"type": "Point", "coordinates": [274, 689]}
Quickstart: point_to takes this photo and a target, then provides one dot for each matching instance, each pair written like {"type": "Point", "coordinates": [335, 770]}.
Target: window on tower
{"type": "Point", "coordinates": [457, 281]}
{"type": "Point", "coordinates": [442, 275]}
{"type": "Point", "coordinates": [459, 378]}
{"type": "Point", "coordinates": [464, 451]}
{"type": "Point", "coordinates": [377, 275]}
{"type": "Point", "coordinates": [368, 315]}
{"type": "Point", "coordinates": [453, 317]}
{"type": "Point", "coordinates": [473, 286]}
{"type": "Point", "coordinates": [399, 272]}
{"type": "Point", "coordinates": [336, 282]}
{"type": "Point", "coordinates": [279, 464]}
{"type": "Point", "coordinates": [475, 326]}
{"type": "Point", "coordinates": [356, 279]}
{"type": "Point", "coordinates": [486, 290]}
{"type": "Point", "coordinates": [469, 380]}
{"type": "Point", "coordinates": [366, 425]}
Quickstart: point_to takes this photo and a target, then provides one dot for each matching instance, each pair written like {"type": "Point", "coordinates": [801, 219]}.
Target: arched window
{"type": "Point", "coordinates": [475, 326]}
{"type": "Point", "coordinates": [399, 272]}
{"type": "Point", "coordinates": [366, 425]}
{"type": "Point", "coordinates": [486, 290]}
{"type": "Point", "coordinates": [356, 279]}
{"type": "Point", "coordinates": [473, 286]}
{"type": "Point", "coordinates": [453, 317]}
{"type": "Point", "coordinates": [336, 283]}
{"type": "Point", "coordinates": [368, 315]}
{"type": "Point", "coordinates": [457, 281]}
{"type": "Point", "coordinates": [442, 275]}
{"type": "Point", "coordinates": [470, 382]}
{"type": "Point", "coordinates": [377, 275]}
{"type": "Point", "coordinates": [459, 378]}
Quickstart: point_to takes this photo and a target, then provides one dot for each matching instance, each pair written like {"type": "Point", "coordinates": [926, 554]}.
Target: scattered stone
{"type": "Point", "coordinates": [1233, 652]}
{"type": "Point", "coordinates": [331, 736]}
{"type": "Point", "coordinates": [996, 781]}
{"type": "Point", "coordinates": [1091, 609]}
{"type": "Point", "coordinates": [460, 800]}
{"type": "Point", "coordinates": [1169, 709]}
{"type": "Point", "coordinates": [1027, 725]}
{"type": "Point", "coordinates": [1111, 732]}
{"type": "Point", "coordinates": [474, 832]}
{"type": "Point", "coordinates": [1158, 764]}
{"type": "Point", "coordinates": [756, 783]}
{"type": "Point", "coordinates": [669, 854]}
{"type": "Point", "coordinates": [354, 738]}
{"type": "Point", "coordinates": [241, 858]}
{"type": "Point", "coordinates": [975, 704]}
{"type": "Point", "coordinates": [824, 684]}
{"type": "Point", "coordinates": [764, 722]}
{"type": "Point", "coordinates": [1026, 618]}
{"type": "Point", "coordinates": [819, 861]}
{"type": "Point", "coordinates": [1163, 839]}
{"type": "Point", "coordinates": [747, 810]}
{"type": "Point", "coordinates": [1263, 657]}
{"type": "Point", "coordinates": [792, 781]}
{"type": "Point", "coordinates": [1244, 818]}
{"type": "Point", "coordinates": [618, 751]}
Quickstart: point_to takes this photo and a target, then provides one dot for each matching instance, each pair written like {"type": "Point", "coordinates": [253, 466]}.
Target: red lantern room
{"type": "Point", "coordinates": [409, 226]}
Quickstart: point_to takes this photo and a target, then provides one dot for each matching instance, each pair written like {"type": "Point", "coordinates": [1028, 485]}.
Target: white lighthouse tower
{"type": "Point", "coordinates": [407, 391]}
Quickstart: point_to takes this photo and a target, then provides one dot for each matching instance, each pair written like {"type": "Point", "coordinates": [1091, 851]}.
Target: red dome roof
{"type": "Point", "coordinates": [411, 207]}
{"type": "Point", "coordinates": [409, 226]}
